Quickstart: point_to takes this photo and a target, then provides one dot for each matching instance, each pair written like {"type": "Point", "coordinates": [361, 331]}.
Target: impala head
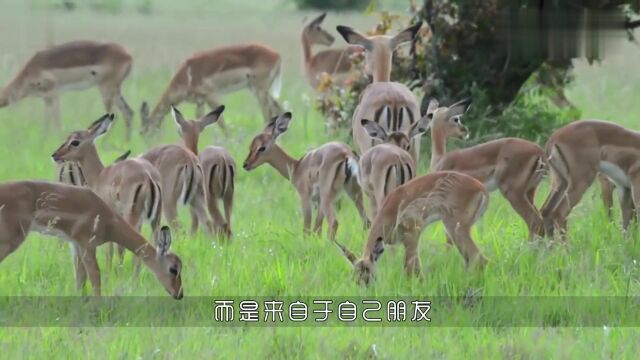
{"type": "Point", "coordinates": [315, 34]}
{"type": "Point", "coordinates": [169, 271]}
{"type": "Point", "coordinates": [365, 267]}
{"type": "Point", "coordinates": [190, 129]}
{"type": "Point", "coordinates": [448, 120]}
{"type": "Point", "coordinates": [397, 138]}
{"type": "Point", "coordinates": [79, 141]}
{"type": "Point", "coordinates": [379, 48]}
{"type": "Point", "coordinates": [263, 143]}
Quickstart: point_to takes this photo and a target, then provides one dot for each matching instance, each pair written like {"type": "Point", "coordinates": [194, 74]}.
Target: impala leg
{"type": "Point", "coordinates": [626, 206]}
{"type": "Point", "coordinates": [635, 193]}
{"type": "Point", "coordinates": [213, 103]}
{"type": "Point", "coordinates": [52, 111]}
{"type": "Point", "coordinates": [198, 207]}
{"type": "Point", "coordinates": [227, 201]}
{"type": "Point", "coordinates": [170, 211]}
{"type": "Point", "coordinates": [461, 235]}
{"type": "Point", "coordinates": [306, 214]}
{"type": "Point", "coordinates": [199, 108]}
{"type": "Point", "coordinates": [127, 114]}
{"type": "Point", "coordinates": [317, 227]}
{"type": "Point", "coordinates": [134, 219]}
{"type": "Point", "coordinates": [559, 189]}
{"type": "Point", "coordinates": [412, 265]}
{"type": "Point", "coordinates": [527, 211]}
{"type": "Point", "coordinates": [575, 192]}
{"type": "Point", "coordinates": [91, 265]}
{"type": "Point", "coordinates": [355, 194]}
{"type": "Point", "coordinates": [214, 210]}
{"type": "Point", "coordinates": [9, 246]}
{"type": "Point", "coordinates": [80, 271]}
{"type": "Point", "coordinates": [326, 206]}
{"type": "Point", "coordinates": [109, 260]}
{"type": "Point", "coordinates": [607, 188]}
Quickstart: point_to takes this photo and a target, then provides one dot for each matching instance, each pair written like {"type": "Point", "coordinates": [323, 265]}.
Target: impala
{"type": "Point", "coordinates": [70, 172]}
{"type": "Point", "coordinates": [183, 180]}
{"type": "Point", "coordinates": [390, 104]}
{"type": "Point", "coordinates": [577, 152]}
{"type": "Point", "coordinates": [207, 75]}
{"type": "Point", "coordinates": [218, 165]}
{"type": "Point", "coordinates": [318, 176]}
{"type": "Point", "coordinates": [78, 215]}
{"type": "Point", "coordinates": [335, 62]}
{"type": "Point", "coordinates": [73, 65]}
{"type": "Point", "coordinates": [130, 186]}
{"type": "Point", "coordinates": [455, 199]}
{"type": "Point", "coordinates": [386, 166]}
{"type": "Point", "coordinates": [513, 166]}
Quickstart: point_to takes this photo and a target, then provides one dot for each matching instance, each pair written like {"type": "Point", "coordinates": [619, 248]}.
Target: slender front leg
{"type": "Point", "coordinates": [52, 111]}
{"type": "Point", "coordinates": [80, 271]}
{"type": "Point", "coordinates": [355, 193]}
{"type": "Point", "coordinates": [412, 265]}
{"type": "Point", "coordinates": [626, 205]}
{"type": "Point", "coordinates": [92, 268]}
{"type": "Point", "coordinates": [306, 213]}
{"type": "Point", "coordinates": [607, 188]}
{"type": "Point", "coordinates": [527, 211]}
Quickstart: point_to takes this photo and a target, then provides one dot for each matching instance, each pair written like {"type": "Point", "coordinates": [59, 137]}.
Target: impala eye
{"type": "Point", "coordinates": [74, 143]}
{"type": "Point", "coordinates": [261, 149]}
{"type": "Point", "coordinates": [173, 271]}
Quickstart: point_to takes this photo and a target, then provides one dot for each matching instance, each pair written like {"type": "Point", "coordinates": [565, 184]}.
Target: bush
{"type": "Point", "coordinates": [332, 4]}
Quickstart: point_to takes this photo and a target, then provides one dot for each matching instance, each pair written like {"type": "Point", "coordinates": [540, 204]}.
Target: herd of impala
{"type": "Point", "coordinates": [92, 204]}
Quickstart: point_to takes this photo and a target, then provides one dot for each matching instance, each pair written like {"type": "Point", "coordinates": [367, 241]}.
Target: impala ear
{"type": "Point", "coordinates": [378, 249]}
{"type": "Point", "coordinates": [178, 118]}
{"type": "Point", "coordinates": [374, 129]}
{"type": "Point", "coordinates": [317, 21]}
{"type": "Point", "coordinates": [281, 124]}
{"type": "Point", "coordinates": [353, 37]}
{"type": "Point", "coordinates": [347, 254]}
{"type": "Point", "coordinates": [163, 241]}
{"type": "Point", "coordinates": [210, 118]}
{"type": "Point", "coordinates": [407, 35]}
{"type": "Point", "coordinates": [123, 156]}
{"type": "Point", "coordinates": [101, 126]}
{"type": "Point", "coordinates": [421, 126]}
{"type": "Point", "coordinates": [459, 108]}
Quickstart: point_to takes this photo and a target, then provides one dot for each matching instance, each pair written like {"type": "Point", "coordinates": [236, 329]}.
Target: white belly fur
{"type": "Point", "coordinates": [615, 173]}
{"type": "Point", "coordinates": [75, 78]}
{"type": "Point", "coordinates": [229, 81]}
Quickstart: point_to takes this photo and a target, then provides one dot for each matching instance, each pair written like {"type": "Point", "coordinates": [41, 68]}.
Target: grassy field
{"type": "Point", "coordinates": [268, 256]}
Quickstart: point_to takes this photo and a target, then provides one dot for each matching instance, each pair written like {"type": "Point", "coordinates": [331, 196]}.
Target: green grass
{"type": "Point", "coordinates": [268, 256]}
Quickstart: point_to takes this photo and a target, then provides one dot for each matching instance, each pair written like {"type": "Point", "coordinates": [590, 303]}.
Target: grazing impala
{"type": "Point", "coordinates": [386, 166]}
{"type": "Point", "coordinates": [455, 199]}
{"type": "Point", "coordinates": [73, 65]}
{"type": "Point", "coordinates": [335, 62]}
{"type": "Point", "coordinates": [183, 180]}
{"type": "Point", "coordinates": [205, 76]}
{"type": "Point", "coordinates": [218, 166]}
{"type": "Point", "coordinates": [318, 176]}
{"type": "Point", "coordinates": [513, 166]}
{"type": "Point", "coordinates": [78, 215]}
{"type": "Point", "coordinates": [70, 172]}
{"type": "Point", "coordinates": [390, 104]}
{"type": "Point", "coordinates": [577, 152]}
{"type": "Point", "coordinates": [130, 187]}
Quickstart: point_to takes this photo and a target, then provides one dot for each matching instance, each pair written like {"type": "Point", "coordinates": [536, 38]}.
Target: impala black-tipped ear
{"type": "Point", "coordinates": [374, 129]}
{"type": "Point", "coordinates": [317, 21]}
{"type": "Point", "coordinates": [211, 117]}
{"type": "Point", "coordinates": [407, 35]}
{"type": "Point", "coordinates": [353, 37]}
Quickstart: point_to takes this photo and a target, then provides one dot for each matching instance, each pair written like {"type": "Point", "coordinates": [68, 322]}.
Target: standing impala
{"type": "Point", "coordinates": [513, 166]}
{"type": "Point", "coordinates": [335, 62]}
{"type": "Point", "coordinates": [218, 166]}
{"type": "Point", "coordinates": [183, 180]}
{"type": "Point", "coordinates": [577, 152]}
{"type": "Point", "coordinates": [73, 65]}
{"type": "Point", "coordinates": [455, 199]}
{"type": "Point", "coordinates": [390, 104]}
{"type": "Point", "coordinates": [70, 172]}
{"type": "Point", "coordinates": [78, 215]}
{"type": "Point", "coordinates": [318, 176]}
{"type": "Point", "coordinates": [386, 166]}
{"type": "Point", "coordinates": [206, 76]}
{"type": "Point", "coordinates": [130, 187]}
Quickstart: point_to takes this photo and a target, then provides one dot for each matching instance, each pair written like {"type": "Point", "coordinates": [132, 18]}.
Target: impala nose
{"type": "Point", "coordinates": [246, 166]}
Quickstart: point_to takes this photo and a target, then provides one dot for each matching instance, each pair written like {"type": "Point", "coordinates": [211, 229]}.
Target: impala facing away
{"type": "Point", "coordinates": [577, 152]}
{"type": "Point", "coordinates": [335, 62]}
{"type": "Point", "coordinates": [513, 166]}
{"type": "Point", "coordinates": [318, 176]}
{"type": "Point", "coordinates": [386, 166]}
{"type": "Point", "coordinates": [78, 215]}
{"type": "Point", "coordinates": [206, 76]}
{"type": "Point", "coordinates": [390, 104]}
{"type": "Point", "coordinates": [130, 186]}
{"type": "Point", "coordinates": [183, 180]}
{"type": "Point", "coordinates": [73, 65]}
{"type": "Point", "coordinates": [218, 166]}
{"type": "Point", "coordinates": [455, 199]}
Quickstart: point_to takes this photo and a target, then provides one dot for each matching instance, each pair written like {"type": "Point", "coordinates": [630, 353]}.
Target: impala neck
{"type": "Point", "coordinates": [306, 49]}
{"type": "Point", "coordinates": [191, 142]}
{"type": "Point", "coordinates": [382, 67]}
{"type": "Point", "coordinates": [91, 166]}
{"type": "Point", "coordinates": [126, 236]}
{"type": "Point", "coordinates": [438, 146]}
{"type": "Point", "coordinates": [281, 161]}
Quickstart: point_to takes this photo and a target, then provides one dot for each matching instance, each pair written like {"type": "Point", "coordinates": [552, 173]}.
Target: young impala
{"type": "Point", "coordinates": [183, 180]}
{"type": "Point", "coordinates": [70, 172]}
{"type": "Point", "coordinates": [73, 65]}
{"type": "Point", "coordinates": [455, 199]}
{"type": "Point", "coordinates": [386, 166]}
{"type": "Point", "coordinates": [130, 187]}
{"type": "Point", "coordinates": [207, 75]}
{"type": "Point", "coordinates": [577, 152]}
{"type": "Point", "coordinates": [335, 62]}
{"type": "Point", "coordinates": [513, 166]}
{"type": "Point", "coordinates": [78, 215]}
{"type": "Point", "coordinates": [318, 176]}
{"type": "Point", "coordinates": [218, 165]}
{"type": "Point", "coordinates": [390, 104]}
